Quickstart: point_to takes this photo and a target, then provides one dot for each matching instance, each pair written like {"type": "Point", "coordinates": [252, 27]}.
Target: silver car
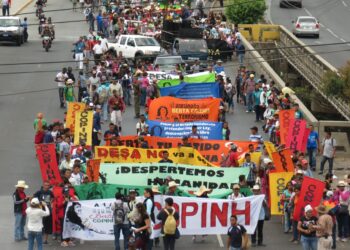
{"type": "Point", "coordinates": [291, 3]}
{"type": "Point", "coordinates": [306, 26]}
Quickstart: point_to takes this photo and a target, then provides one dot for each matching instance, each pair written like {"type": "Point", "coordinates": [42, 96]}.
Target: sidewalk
{"type": "Point", "coordinates": [18, 6]}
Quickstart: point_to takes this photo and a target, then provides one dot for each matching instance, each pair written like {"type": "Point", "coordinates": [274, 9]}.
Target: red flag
{"type": "Point", "coordinates": [48, 164]}
{"type": "Point", "coordinates": [305, 138]}
{"type": "Point", "coordinates": [310, 194]}
{"type": "Point", "coordinates": [285, 116]}
{"type": "Point", "coordinates": [296, 134]}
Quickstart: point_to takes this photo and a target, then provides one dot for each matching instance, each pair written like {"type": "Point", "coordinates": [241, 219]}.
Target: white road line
{"type": "Point", "coordinates": [344, 3]}
{"type": "Point", "coordinates": [343, 40]}
{"type": "Point", "coordinates": [308, 12]}
{"type": "Point", "coordinates": [322, 25]}
{"type": "Point", "coordinates": [333, 34]}
{"type": "Point", "coordinates": [220, 240]}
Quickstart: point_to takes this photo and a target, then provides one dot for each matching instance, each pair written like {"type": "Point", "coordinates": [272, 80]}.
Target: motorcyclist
{"type": "Point", "coordinates": [51, 27]}
{"type": "Point", "coordinates": [42, 21]}
{"type": "Point", "coordinates": [46, 32]}
{"type": "Point", "coordinates": [39, 6]}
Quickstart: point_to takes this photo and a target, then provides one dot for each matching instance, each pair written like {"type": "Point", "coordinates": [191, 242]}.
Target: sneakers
{"type": "Point", "coordinates": [71, 243]}
{"type": "Point", "coordinates": [247, 111]}
{"type": "Point", "coordinates": [193, 238]}
{"type": "Point", "coordinates": [261, 245]}
{"type": "Point", "coordinates": [344, 239]}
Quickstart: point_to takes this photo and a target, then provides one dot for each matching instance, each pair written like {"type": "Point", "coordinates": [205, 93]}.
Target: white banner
{"type": "Point", "coordinates": [93, 219]}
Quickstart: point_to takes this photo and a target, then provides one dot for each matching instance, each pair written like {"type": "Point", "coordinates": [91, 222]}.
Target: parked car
{"type": "Point", "coordinates": [306, 26]}
{"type": "Point", "coordinates": [136, 47]}
{"type": "Point", "coordinates": [291, 3]}
{"type": "Point", "coordinates": [11, 30]}
{"type": "Point", "coordinates": [167, 63]}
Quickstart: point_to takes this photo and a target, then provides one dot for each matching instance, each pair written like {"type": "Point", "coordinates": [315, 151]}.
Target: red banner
{"type": "Point", "coordinates": [46, 154]}
{"type": "Point", "coordinates": [296, 134]}
{"type": "Point", "coordinates": [211, 150]}
{"type": "Point", "coordinates": [310, 194]}
{"type": "Point", "coordinates": [305, 138]}
{"type": "Point", "coordinates": [93, 170]}
{"type": "Point", "coordinates": [283, 161]}
{"type": "Point", "coordinates": [285, 116]}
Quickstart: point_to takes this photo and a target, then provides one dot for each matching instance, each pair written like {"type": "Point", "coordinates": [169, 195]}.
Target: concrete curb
{"type": "Point", "coordinates": [23, 7]}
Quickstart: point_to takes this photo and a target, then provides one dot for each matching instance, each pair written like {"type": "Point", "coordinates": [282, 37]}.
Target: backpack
{"type": "Point", "coordinates": [119, 213]}
{"type": "Point", "coordinates": [170, 223]}
{"type": "Point", "coordinates": [103, 96]}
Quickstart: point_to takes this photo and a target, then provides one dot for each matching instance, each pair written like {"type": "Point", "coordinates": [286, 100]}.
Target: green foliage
{"type": "Point", "coordinates": [338, 85]}
{"type": "Point", "coordinates": [303, 92]}
{"type": "Point", "coordinates": [245, 12]}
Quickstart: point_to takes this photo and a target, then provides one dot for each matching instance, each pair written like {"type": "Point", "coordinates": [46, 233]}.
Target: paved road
{"type": "Point", "coordinates": [334, 16]}
{"type": "Point", "coordinates": [18, 111]}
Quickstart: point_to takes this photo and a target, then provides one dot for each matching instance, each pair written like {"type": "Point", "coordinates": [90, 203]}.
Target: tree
{"type": "Point", "coordinates": [245, 11]}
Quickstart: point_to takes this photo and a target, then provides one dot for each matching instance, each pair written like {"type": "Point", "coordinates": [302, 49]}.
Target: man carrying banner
{"type": "Point", "coordinates": [121, 222]}
{"type": "Point", "coordinates": [259, 228]}
{"type": "Point", "coordinates": [165, 157]}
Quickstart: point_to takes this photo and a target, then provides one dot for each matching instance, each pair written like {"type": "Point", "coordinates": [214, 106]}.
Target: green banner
{"type": "Point", "coordinates": [189, 178]}
{"type": "Point", "coordinates": [192, 78]}
{"type": "Point", "coordinates": [93, 191]}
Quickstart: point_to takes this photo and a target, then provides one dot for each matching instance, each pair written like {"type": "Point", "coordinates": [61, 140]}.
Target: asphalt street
{"type": "Point", "coordinates": [334, 18]}
{"type": "Point", "coordinates": [23, 95]}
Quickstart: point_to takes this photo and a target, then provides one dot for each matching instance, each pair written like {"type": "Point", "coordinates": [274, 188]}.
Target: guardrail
{"type": "Point", "coordinates": [311, 66]}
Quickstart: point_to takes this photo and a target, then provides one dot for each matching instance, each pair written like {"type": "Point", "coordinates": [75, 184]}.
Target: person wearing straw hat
{"type": "Point", "coordinates": [258, 233]}
{"type": "Point", "coordinates": [236, 194]}
{"type": "Point", "coordinates": [172, 186]}
{"type": "Point", "coordinates": [20, 205]}
{"type": "Point", "coordinates": [203, 192]}
{"type": "Point", "coordinates": [324, 228]}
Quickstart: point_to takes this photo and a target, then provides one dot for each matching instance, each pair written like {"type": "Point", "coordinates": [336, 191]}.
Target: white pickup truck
{"type": "Point", "coordinates": [136, 46]}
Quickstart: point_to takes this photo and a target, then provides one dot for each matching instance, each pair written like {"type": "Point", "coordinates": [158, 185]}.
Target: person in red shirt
{"type": "Point", "coordinates": [231, 159]}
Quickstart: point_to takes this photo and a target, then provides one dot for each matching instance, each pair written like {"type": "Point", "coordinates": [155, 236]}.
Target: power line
{"type": "Point", "coordinates": [225, 51]}
{"type": "Point", "coordinates": [253, 61]}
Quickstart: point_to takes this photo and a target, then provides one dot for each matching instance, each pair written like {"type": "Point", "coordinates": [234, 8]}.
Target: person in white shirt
{"type": "Point", "coordinates": [76, 177]}
{"type": "Point", "coordinates": [61, 78]}
{"type": "Point", "coordinates": [5, 7]}
{"type": "Point", "coordinates": [67, 163]}
{"type": "Point", "coordinates": [104, 43]}
{"type": "Point", "coordinates": [98, 52]}
{"type": "Point", "coordinates": [328, 152]}
{"type": "Point", "coordinates": [35, 215]}
{"type": "Point", "coordinates": [116, 86]}
{"type": "Point", "coordinates": [236, 194]}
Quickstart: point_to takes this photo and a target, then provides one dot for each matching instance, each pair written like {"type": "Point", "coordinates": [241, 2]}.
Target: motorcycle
{"type": "Point", "coordinates": [46, 43]}
{"type": "Point", "coordinates": [39, 10]}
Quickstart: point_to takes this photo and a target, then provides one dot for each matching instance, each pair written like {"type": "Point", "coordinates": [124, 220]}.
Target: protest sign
{"type": "Point", "coordinates": [167, 109]}
{"type": "Point", "coordinates": [197, 216]}
{"type": "Point", "coordinates": [211, 150]}
{"type": "Point", "coordinates": [282, 161]}
{"type": "Point", "coordinates": [206, 130]}
{"type": "Point", "coordinates": [83, 127]}
{"type": "Point", "coordinates": [46, 154]}
{"type": "Point", "coordinates": [93, 191]}
{"type": "Point", "coordinates": [285, 117]}
{"type": "Point", "coordinates": [305, 139]}
{"type": "Point", "coordinates": [278, 183]}
{"type": "Point", "coordinates": [192, 91]}
{"type": "Point", "coordinates": [70, 118]}
{"type": "Point", "coordinates": [183, 155]}
{"type": "Point", "coordinates": [57, 206]}
{"type": "Point", "coordinates": [310, 194]}
{"type": "Point", "coordinates": [296, 133]}
{"type": "Point", "coordinates": [270, 148]}
{"type": "Point", "coordinates": [189, 178]}
{"type": "Point", "coordinates": [160, 75]}
{"type": "Point", "coordinates": [93, 169]}
{"type": "Point", "coordinates": [192, 78]}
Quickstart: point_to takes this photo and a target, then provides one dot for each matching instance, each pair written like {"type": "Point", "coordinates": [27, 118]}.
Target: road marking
{"type": "Point", "coordinates": [333, 34]}
{"type": "Point", "coordinates": [343, 40]}
{"type": "Point", "coordinates": [344, 3]}
{"type": "Point", "coordinates": [220, 240]}
{"type": "Point", "coordinates": [322, 25]}
{"type": "Point", "coordinates": [317, 42]}
{"type": "Point", "coordinates": [308, 12]}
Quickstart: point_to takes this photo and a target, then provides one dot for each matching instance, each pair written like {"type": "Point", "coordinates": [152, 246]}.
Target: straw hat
{"type": "Point", "coordinates": [172, 184]}
{"type": "Point", "coordinates": [236, 186]}
{"type": "Point", "coordinates": [322, 209]}
{"type": "Point", "coordinates": [256, 187]}
{"type": "Point", "coordinates": [202, 190]}
{"type": "Point", "coordinates": [155, 189]}
{"type": "Point", "coordinates": [21, 184]}
{"type": "Point", "coordinates": [341, 184]}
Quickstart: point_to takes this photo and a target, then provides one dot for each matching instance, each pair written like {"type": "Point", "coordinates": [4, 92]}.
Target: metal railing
{"type": "Point", "coordinates": [311, 67]}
